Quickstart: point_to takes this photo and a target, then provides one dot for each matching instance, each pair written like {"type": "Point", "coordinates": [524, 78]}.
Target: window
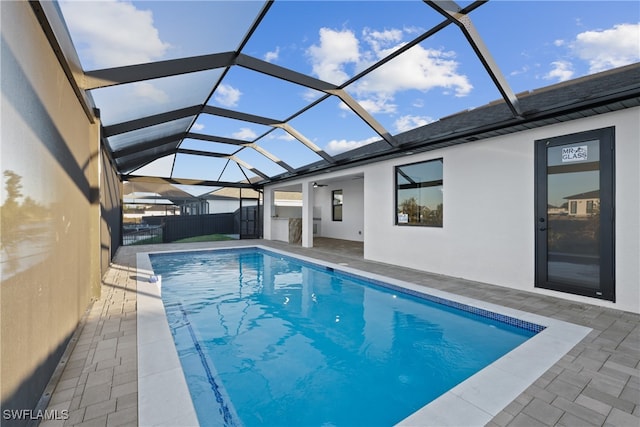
{"type": "Point", "coordinates": [336, 213]}
{"type": "Point", "coordinates": [573, 207]}
{"type": "Point", "coordinates": [419, 194]}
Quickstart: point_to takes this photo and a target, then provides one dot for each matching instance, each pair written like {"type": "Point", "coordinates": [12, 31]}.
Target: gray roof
{"type": "Point", "coordinates": [604, 92]}
{"type": "Point", "coordinates": [595, 194]}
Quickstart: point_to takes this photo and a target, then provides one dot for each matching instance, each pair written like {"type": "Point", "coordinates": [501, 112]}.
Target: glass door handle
{"type": "Point", "coordinates": [541, 221]}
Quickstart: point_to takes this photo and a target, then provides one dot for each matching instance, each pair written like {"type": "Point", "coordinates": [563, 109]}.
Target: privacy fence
{"type": "Point", "coordinates": [245, 223]}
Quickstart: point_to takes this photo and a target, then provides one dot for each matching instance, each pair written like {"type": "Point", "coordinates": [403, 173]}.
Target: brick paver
{"type": "Point", "coordinates": [99, 384]}
{"type": "Point", "coordinates": [596, 383]}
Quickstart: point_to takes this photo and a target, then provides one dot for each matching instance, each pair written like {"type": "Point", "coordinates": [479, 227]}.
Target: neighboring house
{"type": "Point", "coordinates": [227, 199]}
{"type": "Point", "coordinates": [288, 198]}
{"type": "Point", "coordinates": [135, 213]}
{"type": "Point", "coordinates": [555, 210]}
{"type": "Point", "coordinates": [147, 193]}
{"type": "Point", "coordinates": [584, 204]}
{"type": "Point", "coordinates": [287, 204]}
{"type": "Point", "coordinates": [194, 206]}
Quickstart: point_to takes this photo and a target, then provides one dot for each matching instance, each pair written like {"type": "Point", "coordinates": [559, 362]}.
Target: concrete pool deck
{"type": "Point", "coordinates": [595, 383]}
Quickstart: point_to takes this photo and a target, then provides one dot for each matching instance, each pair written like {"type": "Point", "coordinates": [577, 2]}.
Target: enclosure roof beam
{"type": "Point", "coordinates": [153, 120]}
{"type": "Point", "coordinates": [230, 114]}
{"type": "Point", "coordinates": [184, 181]}
{"type": "Point", "coordinates": [307, 142]}
{"type": "Point", "coordinates": [455, 14]}
{"type": "Point", "coordinates": [154, 70]}
{"type": "Point", "coordinates": [137, 163]}
{"type": "Point", "coordinates": [214, 138]}
{"type": "Point", "coordinates": [365, 116]}
{"type": "Point", "coordinates": [282, 73]}
{"type": "Point", "coordinates": [248, 166]}
{"type": "Point", "coordinates": [148, 145]}
{"type": "Point", "coordinates": [271, 157]}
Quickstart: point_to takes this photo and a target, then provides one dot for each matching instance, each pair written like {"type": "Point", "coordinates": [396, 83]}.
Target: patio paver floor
{"type": "Point", "coordinates": [596, 383]}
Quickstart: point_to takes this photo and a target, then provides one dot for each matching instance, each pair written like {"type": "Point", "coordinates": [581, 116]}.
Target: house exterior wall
{"type": "Point", "coordinates": [51, 257]}
{"type": "Point", "coordinates": [352, 225]}
{"type": "Point", "coordinates": [582, 207]}
{"type": "Point", "coordinates": [488, 230]}
{"type": "Point", "coordinates": [488, 223]}
{"type": "Point", "coordinates": [223, 206]}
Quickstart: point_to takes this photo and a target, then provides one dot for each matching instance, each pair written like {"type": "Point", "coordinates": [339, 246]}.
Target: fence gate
{"type": "Point", "coordinates": [250, 218]}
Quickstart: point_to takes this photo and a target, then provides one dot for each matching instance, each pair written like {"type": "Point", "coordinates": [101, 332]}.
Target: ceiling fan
{"type": "Point", "coordinates": [316, 185]}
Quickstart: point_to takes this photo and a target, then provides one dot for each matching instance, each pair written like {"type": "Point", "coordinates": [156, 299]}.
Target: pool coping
{"type": "Point", "coordinates": [164, 398]}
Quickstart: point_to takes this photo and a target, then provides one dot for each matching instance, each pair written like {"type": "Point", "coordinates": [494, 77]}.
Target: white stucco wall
{"type": "Point", "coordinates": [352, 225]}
{"type": "Point", "coordinates": [488, 232]}
{"type": "Point", "coordinates": [487, 215]}
{"type": "Point", "coordinates": [223, 206]}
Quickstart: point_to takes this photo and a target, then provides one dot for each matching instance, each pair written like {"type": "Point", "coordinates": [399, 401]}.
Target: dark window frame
{"type": "Point", "coordinates": [433, 183]}
{"type": "Point", "coordinates": [573, 207]}
{"type": "Point", "coordinates": [337, 214]}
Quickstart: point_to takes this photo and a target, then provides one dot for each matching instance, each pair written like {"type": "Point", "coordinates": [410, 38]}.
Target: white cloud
{"type": "Point", "coordinates": [245, 134]}
{"type": "Point", "coordinates": [525, 69]}
{"type": "Point", "coordinates": [379, 40]}
{"type": "Point", "coordinates": [341, 145]}
{"type": "Point", "coordinates": [227, 96]}
{"type": "Point", "coordinates": [561, 71]}
{"type": "Point", "coordinates": [377, 103]}
{"type": "Point", "coordinates": [284, 136]}
{"type": "Point", "coordinates": [150, 92]}
{"type": "Point", "coordinates": [113, 33]}
{"type": "Point", "coordinates": [417, 69]}
{"type": "Point", "coordinates": [311, 95]}
{"type": "Point", "coordinates": [418, 103]}
{"type": "Point", "coordinates": [197, 126]}
{"type": "Point", "coordinates": [336, 49]}
{"type": "Point", "coordinates": [609, 48]}
{"type": "Point", "coordinates": [280, 135]}
{"type": "Point", "coordinates": [409, 122]}
{"type": "Point", "coordinates": [272, 56]}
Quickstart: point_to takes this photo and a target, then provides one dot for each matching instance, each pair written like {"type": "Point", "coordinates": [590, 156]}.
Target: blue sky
{"type": "Point", "coordinates": [535, 44]}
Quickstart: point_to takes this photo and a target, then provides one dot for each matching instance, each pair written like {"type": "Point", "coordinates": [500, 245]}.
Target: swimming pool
{"type": "Point", "coordinates": [373, 339]}
{"type": "Point", "coordinates": [261, 335]}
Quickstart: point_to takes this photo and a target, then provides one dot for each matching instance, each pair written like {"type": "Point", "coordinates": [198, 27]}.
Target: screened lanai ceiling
{"type": "Point", "coordinates": [222, 92]}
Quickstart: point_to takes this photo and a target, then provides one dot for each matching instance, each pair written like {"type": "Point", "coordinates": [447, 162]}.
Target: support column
{"type": "Point", "coordinates": [267, 213]}
{"type": "Point", "coordinates": [307, 214]}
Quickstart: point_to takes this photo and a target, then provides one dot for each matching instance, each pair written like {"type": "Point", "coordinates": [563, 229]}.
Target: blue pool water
{"type": "Point", "coordinates": [269, 340]}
